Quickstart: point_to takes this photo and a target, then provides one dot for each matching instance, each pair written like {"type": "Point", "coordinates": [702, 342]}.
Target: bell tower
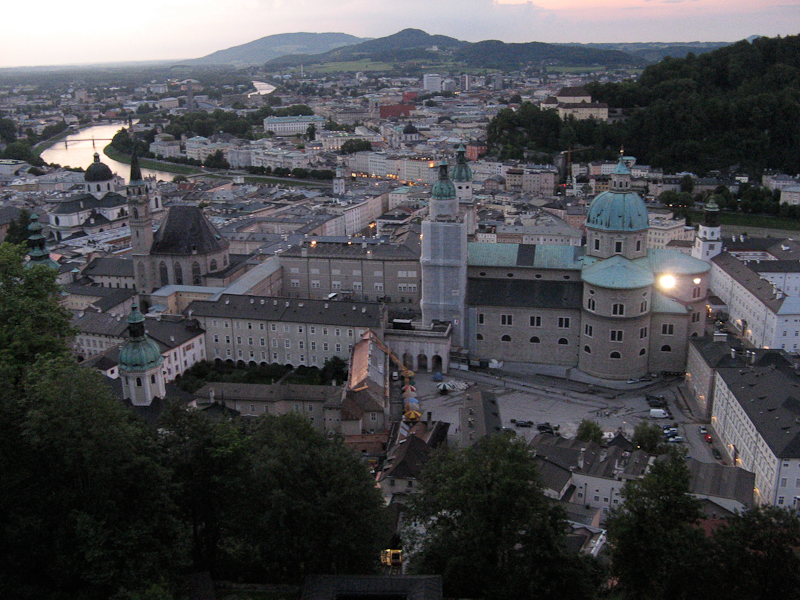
{"type": "Point", "coordinates": [708, 242]}
{"type": "Point", "coordinates": [141, 225]}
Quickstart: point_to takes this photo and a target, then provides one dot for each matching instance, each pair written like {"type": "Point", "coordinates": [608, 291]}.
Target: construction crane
{"type": "Point", "coordinates": [411, 411]}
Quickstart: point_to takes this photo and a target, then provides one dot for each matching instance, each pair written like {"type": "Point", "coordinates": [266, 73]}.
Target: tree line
{"type": "Point", "coordinates": [737, 107]}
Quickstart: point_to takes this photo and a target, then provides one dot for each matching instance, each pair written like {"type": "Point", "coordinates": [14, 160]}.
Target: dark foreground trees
{"type": "Point", "coordinates": [482, 521]}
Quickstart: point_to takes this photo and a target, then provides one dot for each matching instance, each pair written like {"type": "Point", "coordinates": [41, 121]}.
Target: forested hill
{"type": "Point", "coordinates": [738, 105]}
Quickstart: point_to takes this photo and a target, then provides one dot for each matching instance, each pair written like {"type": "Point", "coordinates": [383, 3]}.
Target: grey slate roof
{"type": "Point", "coordinates": [185, 231]}
{"type": "Point", "coordinates": [524, 293]}
{"type": "Point", "coordinates": [107, 298]}
{"type": "Point", "coordinates": [109, 267]}
{"type": "Point", "coordinates": [87, 202]}
{"type": "Point", "coordinates": [770, 397]}
{"type": "Point", "coordinates": [294, 310]}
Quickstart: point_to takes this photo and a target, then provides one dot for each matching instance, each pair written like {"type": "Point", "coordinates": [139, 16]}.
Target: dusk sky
{"type": "Point", "coordinates": [85, 31]}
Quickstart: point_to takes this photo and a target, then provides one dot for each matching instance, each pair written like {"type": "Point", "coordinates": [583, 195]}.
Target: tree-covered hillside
{"type": "Point", "coordinates": [739, 105]}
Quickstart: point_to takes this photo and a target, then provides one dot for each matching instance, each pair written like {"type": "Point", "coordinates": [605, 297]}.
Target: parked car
{"type": "Point", "coordinates": [717, 454]}
{"type": "Point", "coordinates": [703, 429]}
{"type": "Point", "coordinates": [675, 439]}
{"type": "Point", "coordinates": [655, 401]}
{"type": "Point", "coordinates": [524, 423]}
{"type": "Point", "coordinates": [707, 437]}
{"type": "Point", "coordinates": [545, 428]}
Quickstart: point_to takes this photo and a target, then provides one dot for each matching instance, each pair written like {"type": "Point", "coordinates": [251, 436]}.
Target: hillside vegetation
{"type": "Point", "coordinates": [738, 105]}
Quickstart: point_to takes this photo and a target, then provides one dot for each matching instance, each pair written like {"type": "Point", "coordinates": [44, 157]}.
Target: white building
{"type": "Point", "coordinates": [289, 126]}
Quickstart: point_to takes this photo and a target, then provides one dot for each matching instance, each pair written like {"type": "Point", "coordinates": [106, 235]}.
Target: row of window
{"type": "Point", "coordinates": [286, 343]}
{"type": "Point", "coordinates": [565, 342]}
{"type": "Point", "coordinates": [618, 246]}
{"type": "Point", "coordinates": [264, 356]}
{"type": "Point", "coordinates": [534, 321]}
{"type": "Point", "coordinates": [533, 340]}
{"type": "Point", "coordinates": [312, 329]}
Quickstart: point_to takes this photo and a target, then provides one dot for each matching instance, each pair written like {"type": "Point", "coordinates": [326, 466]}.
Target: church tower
{"type": "Point", "coordinates": [338, 183]}
{"type": "Point", "coordinates": [708, 242]}
{"type": "Point", "coordinates": [444, 258]}
{"type": "Point", "coordinates": [462, 179]}
{"type": "Point", "coordinates": [141, 225]}
{"type": "Point", "coordinates": [140, 364]}
{"type": "Point", "coordinates": [38, 252]}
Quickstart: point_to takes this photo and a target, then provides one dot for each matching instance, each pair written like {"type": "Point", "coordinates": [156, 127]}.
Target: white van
{"type": "Point", "coordinates": [658, 413]}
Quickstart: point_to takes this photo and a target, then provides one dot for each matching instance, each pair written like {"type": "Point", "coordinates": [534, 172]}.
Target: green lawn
{"type": "Point", "coordinates": [351, 66]}
{"type": "Point", "coordinates": [745, 220]}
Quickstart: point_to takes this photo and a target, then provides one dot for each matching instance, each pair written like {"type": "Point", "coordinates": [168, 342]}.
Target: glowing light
{"type": "Point", "coordinates": [696, 280]}
{"type": "Point", "coordinates": [667, 282]}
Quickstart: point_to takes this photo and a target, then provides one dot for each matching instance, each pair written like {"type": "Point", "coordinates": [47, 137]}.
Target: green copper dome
{"type": "Point", "coordinates": [618, 209]}
{"type": "Point", "coordinates": [139, 353]}
{"type": "Point", "coordinates": [462, 172]}
{"type": "Point", "coordinates": [617, 273]}
{"type": "Point", "coordinates": [443, 189]}
{"type": "Point", "coordinates": [38, 252]}
{"type": "Point", "coordinates": [98, 171]}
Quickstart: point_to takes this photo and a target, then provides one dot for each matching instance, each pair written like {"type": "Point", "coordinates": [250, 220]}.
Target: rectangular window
{"type": "Point", "coordinates": [301, 344]}
{"type": "Point", "coordinates": [618, 309]}
{"type": "Point", "coordinates": [696, 319]}
{"type": "Point", "coordinates": [783, 482]}
{"type": "Point", "coordinates": [312, 330]}
{"type": "Point", "coordinates": [324, 346]}
{"type": "Point", "coordinates": [588, 330]}
{"type": "Point", "coordinates": [314, 284]}
{"type": "Point", "coordinates": [285, 328]}
{"type": "Point", "coordinates": [506, 319]}
{"type": "Point", "coordinates": [563, 322]}
{"type": "Point", "coordinates": [616, 335]}
{"type": "Point", "coordinates": [274, 343]}
{"type": "Point", "coordinates": [313, 345]}
{"type": "Point", "coordinates": [262, 342]}
{"type": "Point", "coordinates": [338, 348]}
{"type": "Point", "coordinates": [536, 321]}
{"type": "Point", "coordinates": [249, 341]}
{"type": "Point", "coordinates": [357, 286]}
{"type": "Point", "coordinates": [643, 333]}
{"type": "Point", "coordinates": [273, 327]}
{"type": "Point", "coordinates": [238, 339]}
{"type": "Point", "coordinates": [337, 332]}
{"type": "Point", "coordinates": [667, 329]}
{"type": "Point", "coordinates": [287, 343]}
{"type": "Point", "coordinates": [336, 285]}
{"type": "Point", "coordinates": [378, 287]}
{"type": "Point", "coordinates": [295, 283]}
{"type": "Point", "coordinates": [216, 338]}
{"type": "Point", "coordinates": [480, 318]}
{"type": "Point", "coordinates": [617, 247]}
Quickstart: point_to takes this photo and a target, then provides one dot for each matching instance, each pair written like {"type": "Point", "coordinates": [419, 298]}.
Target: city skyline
{"type": "Point", "coordinates": [62, 33]}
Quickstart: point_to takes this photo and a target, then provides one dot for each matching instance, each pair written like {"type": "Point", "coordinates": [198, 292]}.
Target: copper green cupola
{"type": "Point", "coordinates": [139, 353]}
{"type": "Point", "coordinates": [461, 172]}
{"type": "Point", "coordinates": [444, 204]}
{"type": "Point", "coordinates": [38, 251]}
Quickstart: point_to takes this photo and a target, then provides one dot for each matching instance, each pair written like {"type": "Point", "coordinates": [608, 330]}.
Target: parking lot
{"type": "Point", "coordinates": [565, 406]}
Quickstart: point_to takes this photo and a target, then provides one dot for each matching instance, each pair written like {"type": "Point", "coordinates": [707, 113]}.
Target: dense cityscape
{"type": "Point", "coordinates": [403, 317]}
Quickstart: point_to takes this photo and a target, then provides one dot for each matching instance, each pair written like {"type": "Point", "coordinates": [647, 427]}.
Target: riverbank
{"type": "Point", "coordinates": [50, 142]}
{"type": "Point", "coordinates": [149, 163]}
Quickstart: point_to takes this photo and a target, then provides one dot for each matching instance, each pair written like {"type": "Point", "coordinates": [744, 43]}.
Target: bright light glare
{"type": "Point", "coordinates": [667, 282]}
{"type": "Point", "coordinates": [696, 280]}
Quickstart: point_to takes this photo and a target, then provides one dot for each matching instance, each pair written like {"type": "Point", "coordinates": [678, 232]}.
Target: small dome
{"type": "Point", "coordinates": [138, 353]}
{"type": "Point", "coordinates": [98, 171]}
{"type": "Point", "coordinates": [462, 172]}
{"type": "Point", "coordinates": [617, 273]}
{"type": "Point", "coordinates": [618, 211]}
{"type": "Point", "coordinates": [443, 189]}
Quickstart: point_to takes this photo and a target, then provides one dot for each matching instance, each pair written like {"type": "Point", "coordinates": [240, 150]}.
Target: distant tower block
{"type": "Point", "coordinates": [338, 183]}
{"type": "Point", "coordinates": [444, 258]}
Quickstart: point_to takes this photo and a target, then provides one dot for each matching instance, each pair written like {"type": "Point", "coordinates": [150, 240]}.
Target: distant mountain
{"type": "Point", "coordinates": [416, 45]}
{"type": "Point", "coordinates": [274, 46]}
{"type": "Point", "coordinates": [652, 52]}
{"type": "Point", "coordinates": [409, 44]}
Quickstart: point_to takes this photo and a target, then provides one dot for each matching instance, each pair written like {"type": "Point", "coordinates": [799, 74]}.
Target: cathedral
{"type": "Point", "coordinates": [185, 248]}
{"type": "Point", "coordinates": [613, 309]}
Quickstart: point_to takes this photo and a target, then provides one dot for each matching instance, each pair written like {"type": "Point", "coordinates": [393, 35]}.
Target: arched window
{"type": "Point", "coordinates": [563, 342]}
{"type": "Point", "coordinates": [618, 309]}
{"type": "Point", "coordinates": [153, 378]}
{"type": "Point", "coordinates": [642, 352]}
{"type": "Point", "coordinates": [135, 213]}
{"type": "Point", "coordinates": [534, 340]}
{"type": "Point", "coordinates": [587, 349]}
{"type": "Point", "coordinates": [178, 274]}
{"type": "Point", "coordinates": [479, 337]}
{"type": "Point", "coordinates": [666, 348]}
{"type": "Point", "coordinates": [57, 221]}
{"type": "Point", "coordinates": [615, 355]}
{"type": "Point", "coordinates": [138, 382]}
{"type": "Point", "coordinates": [213, 265]}
{"type": "Point", "coordinates": [196, 273]}
{"type": "Point", "coordinates": [505, 338]}
{"type": "Point", "coordinates": [590, 304]}
{"type": "Point", "coordinates": [162, 272]}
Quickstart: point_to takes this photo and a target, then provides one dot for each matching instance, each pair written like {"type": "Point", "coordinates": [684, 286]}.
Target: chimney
{"type": "Point", "coordinates": [733, 352]}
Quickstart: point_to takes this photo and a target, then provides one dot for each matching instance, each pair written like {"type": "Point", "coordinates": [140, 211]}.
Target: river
{"type": "Point", "coordinates": [79, 152]}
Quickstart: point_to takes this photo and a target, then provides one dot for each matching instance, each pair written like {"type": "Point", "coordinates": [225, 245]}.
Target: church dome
{"type": "Point", "coordinates": [98, 171]}
{"type": "Point", "coordinates": [618, 209]}
{"type": "Point", "coordinates": [443, 189]}
{"type": "Point", "coordinates": [462, 172]}
{"type": "Point", "coordinates": [138, 353]}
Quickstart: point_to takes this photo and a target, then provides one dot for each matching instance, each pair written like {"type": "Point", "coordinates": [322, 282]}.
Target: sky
{"type": "Point", "coordinates": [53, 32]}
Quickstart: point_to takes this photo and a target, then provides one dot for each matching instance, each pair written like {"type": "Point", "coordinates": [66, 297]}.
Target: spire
{"type": "Point", "coordinates": [135, 324]}
{"type": "Point", "coordinates": [37, 245]}
{"type": "Point", "coordinates": [462, 172]}
{"type": "Point", "coordinates": [443, 189]}
{"type": "Point", "coordinates": [136, 171]}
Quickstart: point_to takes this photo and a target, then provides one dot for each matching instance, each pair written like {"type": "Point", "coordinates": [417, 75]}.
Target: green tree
{"type": "Point", "coordinates": [334, 369]}
{"type": "Point", "coordinates": [353, 146]}
{"type": "Point", "coordinates": [18, 228]}
{"type": "Point", "coordinates": [589, 431]}
{"type": "Point", "coordinates": [22, 150]}
{"type": "Point", "coordinates": [85, 510]}
{"type": "Point", "coordinates": [311, 132]}
{"type": "Point", "coordinates": [309, 506]}
{"type": "Point", "coordinates": [658, 552]}
{"type": "Point", "coordinates": [482, 521]}
{"type": "Point", "coordinates": [8, 131]}
{"type": "Point", "coordinates": [752, 549]}
{"type": "Point", "coordinates": [32, 323]}
{"type": "Point", "coordinates": [648, 437]}
{"type": "Point", "coordinates": [216, 161]}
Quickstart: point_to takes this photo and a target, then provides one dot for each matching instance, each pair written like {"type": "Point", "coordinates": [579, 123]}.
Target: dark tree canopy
{"type": "Point", "coordinates": [482, 521]}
